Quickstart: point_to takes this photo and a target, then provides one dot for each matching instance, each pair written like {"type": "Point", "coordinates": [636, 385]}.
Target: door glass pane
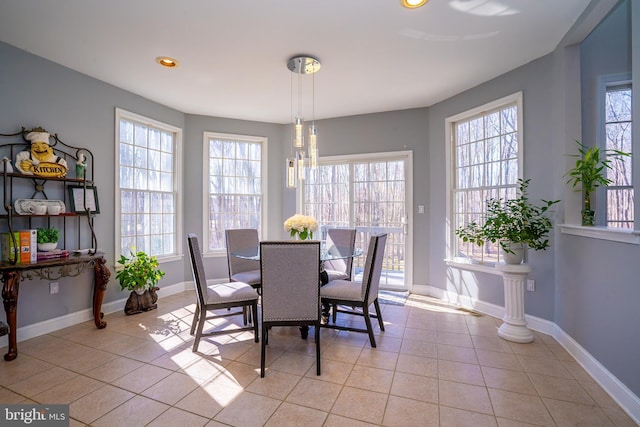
{"type": "Point", "coordinates": [370, 197]}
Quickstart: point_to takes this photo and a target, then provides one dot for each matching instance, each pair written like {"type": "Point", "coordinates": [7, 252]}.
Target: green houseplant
{"type": "Point", "coordinates": [48, 238]}
{"type": "Point", "coordinates": [512, 223]}
{"type": "Point", "coordinates": [590, 171]}
{"type": "Point", "coordinates": [139, 272]}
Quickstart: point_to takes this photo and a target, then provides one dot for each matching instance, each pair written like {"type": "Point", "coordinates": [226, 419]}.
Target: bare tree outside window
{"type": "Point", "coordinates": [368, 196]}
{"type": "Point", "coordinates": [486, 162]}
{"type": "Point", "coordinates": [146, 187]}
{"type": "Point", "coordinates": [620, 195]}
{"type": "Point", "coordinates": [234, 183]}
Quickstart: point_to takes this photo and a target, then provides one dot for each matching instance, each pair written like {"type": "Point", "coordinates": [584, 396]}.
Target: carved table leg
{"type": "Point", "coordinates": [102, 275]}
{"type": "Point", "coordinates": [10, 288]}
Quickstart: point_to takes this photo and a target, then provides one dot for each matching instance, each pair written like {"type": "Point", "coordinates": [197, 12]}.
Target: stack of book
{"type": "Point", "coordinates": [54, 254]}
{"type": "Point", "coordinates": [24, 246]}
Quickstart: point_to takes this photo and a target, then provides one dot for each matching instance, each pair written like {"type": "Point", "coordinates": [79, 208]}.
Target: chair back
{"type": "Point", "coordinates": [290, 281]}
{"type": "Point", "coordinates": [341, 240]}
{"type": "Point", "coordinates": [197, 267]}
{"type": "Point", "coordinates": [373, 267]}
{"type": "Point", "coordinates": [241, 240]}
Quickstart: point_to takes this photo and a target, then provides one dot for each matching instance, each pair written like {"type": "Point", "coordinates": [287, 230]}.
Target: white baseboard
{"type": "Point", "coordinates": [624, 397]}
{"type": "Point", "coordinates": [618, 391]}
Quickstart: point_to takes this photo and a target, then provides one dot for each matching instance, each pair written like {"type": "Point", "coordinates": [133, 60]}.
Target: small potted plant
{"type": "Point", "coordinates": [513, 223]}
{"type": "Point", "coordinates": [140, 274]}
{"type": "Point", "coordinates": [48, 238]}
{"type": "Point", "coordinates": [590, 171]}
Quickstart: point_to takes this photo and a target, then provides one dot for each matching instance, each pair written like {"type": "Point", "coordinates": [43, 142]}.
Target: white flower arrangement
{"type": "Point", "coordinates": [302, 225]}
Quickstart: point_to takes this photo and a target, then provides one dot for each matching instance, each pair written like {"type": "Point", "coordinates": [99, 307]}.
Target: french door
{"type": "Point", "coordinates": [370, 193]}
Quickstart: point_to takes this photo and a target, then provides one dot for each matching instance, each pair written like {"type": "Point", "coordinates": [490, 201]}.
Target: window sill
{"type": "Point", "coordinates": [621, 235]}
{"type": "Point", "coordinates": [466, 265]}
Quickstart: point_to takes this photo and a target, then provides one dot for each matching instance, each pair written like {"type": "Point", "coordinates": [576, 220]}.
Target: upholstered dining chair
{"type": "Point", "coordinates": [290, 289]}
{"type": "Point", "coordinates": [218, 296]}
{"type": "Point", "coordinates": [243, 270]}
{"type": "Point", "coordinates": [359, 296]}
{"type": "Point", "coordinates": [340, 239]}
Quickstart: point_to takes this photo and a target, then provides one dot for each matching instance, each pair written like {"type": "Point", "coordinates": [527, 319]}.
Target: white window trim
{"type": "Point", "coordinates": [603, 83]}
{"type": "Point", "coordinates": [449, 159]}
{"type": "Point", "coordinates": [177, 176]}
{"type": "Point", "coordinates": [264, 142]}
{"type": "Point", "coordinates": [407, 157]}
{"type": "Point", "coordinates": [612, 234]}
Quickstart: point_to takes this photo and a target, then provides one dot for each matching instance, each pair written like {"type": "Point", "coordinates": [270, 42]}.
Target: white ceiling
{"type": "Point", "coordinates": [376, 55]}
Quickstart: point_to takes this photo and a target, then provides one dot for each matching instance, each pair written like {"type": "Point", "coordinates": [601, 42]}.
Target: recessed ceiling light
{"type": "Point", "coordinates": [165, 61]}
{"type": "Point", "coordinates": [412, 4]}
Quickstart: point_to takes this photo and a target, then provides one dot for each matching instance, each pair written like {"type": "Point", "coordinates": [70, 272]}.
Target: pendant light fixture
{"type": "Point", "coordinates": [301, 66]}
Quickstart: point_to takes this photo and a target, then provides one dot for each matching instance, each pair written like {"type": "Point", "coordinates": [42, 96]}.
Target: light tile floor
{"type": "Point", "coordinates": [434, 365]}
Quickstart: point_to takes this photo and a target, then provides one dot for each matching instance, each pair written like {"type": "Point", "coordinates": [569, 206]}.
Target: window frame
{"type": "Point", "coordinates": [121, 114]}
{"type": "Point", "coordinates": [264, 142]}
{"type": "Point", "coordinates": [604, 83]}
{"type": "Point", "coordinates": [450, 159]}
{"type": "Point", "coordinates": [350, 160]}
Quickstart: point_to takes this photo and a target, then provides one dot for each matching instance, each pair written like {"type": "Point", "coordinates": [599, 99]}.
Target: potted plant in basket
{"type": "Point", "coordinates": [513, 223]}
{"type": "Point", "coordinates": [590, 171]}
{"type": "Point", "coordinates": [48, 238]}
{"type": "Point", "coordinates": [140, 274]}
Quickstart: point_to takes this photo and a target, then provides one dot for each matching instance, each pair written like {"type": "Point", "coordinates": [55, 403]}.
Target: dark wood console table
{"type": "Point", "coordinates": [52, 269]}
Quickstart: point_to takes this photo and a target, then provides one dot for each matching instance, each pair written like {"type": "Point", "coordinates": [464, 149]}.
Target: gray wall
{"type": "Point", "coordinates": [81, 110]}
{"type": "Point", "coordinates": [535, 80]}
{"type": "Point", "coordinates": [597, 290]}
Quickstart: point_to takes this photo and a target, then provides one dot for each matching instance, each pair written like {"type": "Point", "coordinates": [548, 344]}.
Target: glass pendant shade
{"type": "Point", "coordinates": [300, 157]}
{"type": "Point", "coordinates": [298, 138]}
{"type": "Point", "coordinates": [313, 146]}
{"type": "Point", "coordinates": [291, 173]}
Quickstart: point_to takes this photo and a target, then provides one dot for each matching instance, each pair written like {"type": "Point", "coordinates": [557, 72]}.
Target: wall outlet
{"type": "Point", "coordinates": [420, 209]}
{"type": "Point", "coordinates": [53, 288]}
{"type": "Point", "coordinates": [531, 285]}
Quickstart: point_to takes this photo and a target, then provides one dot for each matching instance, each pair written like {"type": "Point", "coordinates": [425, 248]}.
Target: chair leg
{"type": "Point", "coordinates": [196, 342]}
{"type": "Point", "coordinates": [378, 314]}
{"type": "Point", "coordinates": [196, 314]}
{"type": "Point", "coordinates": [317, 349]}
{"type": "Point", "coordinates": [367, 320]}
{"type": "Point", "coordinates": [254, 309]}
{"type": "Point", "coordinates": [335, 312]}
{"type": "Point", "coordinates": [263, 350]}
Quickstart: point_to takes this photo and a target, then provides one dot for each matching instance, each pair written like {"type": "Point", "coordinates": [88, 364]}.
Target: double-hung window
{"type": "Point", "coordinates": [617, 136]}
{"type": "Point", "coordinates": [234, 185]}
{"type": "Point", "coordinates": [486, 154]}
{"type": "Point", "coordinates": [147, 182]}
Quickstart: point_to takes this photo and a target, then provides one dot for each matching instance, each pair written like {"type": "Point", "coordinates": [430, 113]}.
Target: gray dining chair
{"type": "Point", "coordinates": [340, 240]}
{"type": "Point", "coordinates": [218, 296]}
{"type": "Point", "coordinates": [245, 240]}
{"type": "Point", "coordinates": [290, 289]}
{"type": "Point", "coordinates": [243, 270]}
{"type": "Point", "coordinates": [358, 296]}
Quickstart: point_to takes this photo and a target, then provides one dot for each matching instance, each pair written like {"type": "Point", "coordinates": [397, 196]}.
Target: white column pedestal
{"type": "Point", "coordinates": [514, 327]}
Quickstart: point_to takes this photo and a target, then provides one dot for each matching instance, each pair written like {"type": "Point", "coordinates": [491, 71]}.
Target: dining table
{"type": "Point", "coordinates": [333, 252]}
